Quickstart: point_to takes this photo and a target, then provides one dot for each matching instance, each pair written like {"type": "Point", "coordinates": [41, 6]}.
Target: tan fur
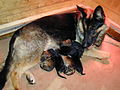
{"type": "Point", "coordinates": [19, 69]}
{"type": "Point", "coordinates": [68, 61]}
{"type": "Point", "coordinates": [28, 48]}
{"type": "Point", "coordinates": [95, 53]}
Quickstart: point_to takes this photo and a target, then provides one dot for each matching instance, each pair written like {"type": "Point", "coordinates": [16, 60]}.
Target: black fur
{"type": "Point", "coordinates": [62, 26]}
{"type": "Point", "coordinates": [93, 23]}
{"type": "Point", "coordinates": [74, 51]}
{"type": "Point", "coordinates": [59, 64]}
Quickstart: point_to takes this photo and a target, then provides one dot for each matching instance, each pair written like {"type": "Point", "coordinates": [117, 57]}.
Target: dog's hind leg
{"type": "Point", "coordinates": [29, 76]}
{"type": "Point", "coordinates": [15, 77]}
{"type": "Point", "coordinates": [21, 68]}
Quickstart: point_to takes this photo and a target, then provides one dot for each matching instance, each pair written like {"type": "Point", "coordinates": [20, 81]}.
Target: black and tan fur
{"type": "Point", "coordinates": [91, 33]}
{"type": "Point", "coordinates": [29, 42]}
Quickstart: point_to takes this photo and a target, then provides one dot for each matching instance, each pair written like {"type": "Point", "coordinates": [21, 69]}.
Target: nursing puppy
{"type": "Point", "coordinates": [63, 64]}
{"type": "Point", "coordinates": [54, 59]}
{"type": "Point", "coordinates": [28, 43]}
{"type": "Point", "coordinates": [66, 60]}
{"type": "Point", "coordinates": [75, 52]}
{"type": "Point", "coordinates": [48, 57]}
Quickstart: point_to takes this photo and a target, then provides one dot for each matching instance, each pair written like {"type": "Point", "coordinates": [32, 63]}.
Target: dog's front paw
{"type": "Point", "coordinates": [30, 78]}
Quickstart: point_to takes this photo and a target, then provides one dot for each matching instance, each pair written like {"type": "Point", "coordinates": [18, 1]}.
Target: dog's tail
{"type": "Point", "coordinates": [6, 68]}
{"type": "Point", "coordinates": [3, 75]}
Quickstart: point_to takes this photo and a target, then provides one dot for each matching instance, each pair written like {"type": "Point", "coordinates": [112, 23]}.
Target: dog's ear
{"type": "Point", "coordinates": [82, 11]}
{"type": "Point", "coordinates": [99, 13]}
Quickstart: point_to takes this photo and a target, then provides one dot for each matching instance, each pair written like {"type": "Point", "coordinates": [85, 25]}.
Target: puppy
{"type": "Point", "coordinates": [75, 51]}
{"type": "Point", "coordinates": [67, 59]}
{"type": "Point", "coordinates": [62, 64]}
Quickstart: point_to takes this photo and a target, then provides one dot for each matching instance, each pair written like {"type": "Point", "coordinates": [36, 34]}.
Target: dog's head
{"type": "Point", "coordinates": [91, 26]}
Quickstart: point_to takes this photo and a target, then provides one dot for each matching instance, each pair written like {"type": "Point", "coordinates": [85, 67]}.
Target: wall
{"type": "Point", "coordinates": [16, 12]}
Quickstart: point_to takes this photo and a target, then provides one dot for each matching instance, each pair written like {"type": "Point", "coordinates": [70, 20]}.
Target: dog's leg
{"type": "Point", "coordinates": [95, 53]}
{"type": "Point", "coordinates": [15, 79]}
{"type": "Point", "coordinates": [78, 65]}
{"type": "Point", "coordinates": [30, 77]}
{"type": "Point", "coordinates": [21, 68]}
{"type": "Point", "coordinates": [16, 76]}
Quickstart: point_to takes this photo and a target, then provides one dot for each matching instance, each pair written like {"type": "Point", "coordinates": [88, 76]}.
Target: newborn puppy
{"type": "Point", "coordinates": [52, 58]}
{"type": "Point", "coordinates": [75, 52]}
{"type": "Point", "coordinates": [46, 62]}
{"type": "Point", "coordinates": [62, 64]}
{"type": "Point", "coordinates": [66, 59]}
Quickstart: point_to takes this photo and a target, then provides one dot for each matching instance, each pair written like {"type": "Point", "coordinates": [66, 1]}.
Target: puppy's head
{"type": "Point", "coordinates": [68, 65]}
{"type": "Point", "coordinates": [47, 63]}
{"type": "Point", "coordinates": [91, 26]}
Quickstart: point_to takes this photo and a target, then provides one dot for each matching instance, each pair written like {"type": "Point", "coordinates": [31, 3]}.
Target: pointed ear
{"type": "Point", "coordinates": [99, 13]}
{"type": "Point", "coordinates": [82, 11]}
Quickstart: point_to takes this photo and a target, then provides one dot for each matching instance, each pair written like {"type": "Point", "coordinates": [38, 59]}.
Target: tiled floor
{"type": "Point", "coordinates": [100, 75]}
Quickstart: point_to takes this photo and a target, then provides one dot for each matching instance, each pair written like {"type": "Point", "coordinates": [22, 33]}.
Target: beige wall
{"type": "Point", "coordinates": [13, 10]}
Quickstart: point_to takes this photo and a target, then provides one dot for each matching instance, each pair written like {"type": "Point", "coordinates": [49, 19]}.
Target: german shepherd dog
{"type": "Point", "coordinates": [28, 43]}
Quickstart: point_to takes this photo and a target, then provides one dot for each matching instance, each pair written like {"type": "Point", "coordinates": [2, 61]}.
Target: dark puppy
{"type": "Point", "coordinates": [75, 52]}
{"type": "Point", "coordinates": [52, 58]}
{"type": "Point", "coordinates": [66, 59]}
{"type": "Point", "coordinates": [62, 64]}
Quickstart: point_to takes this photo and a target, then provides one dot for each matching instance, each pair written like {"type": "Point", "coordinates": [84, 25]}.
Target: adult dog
{"type": "Point", "coordinates": [28, 43]}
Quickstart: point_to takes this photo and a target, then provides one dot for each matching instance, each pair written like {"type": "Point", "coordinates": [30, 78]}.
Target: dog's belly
{"type": "Point", "coordinates": [24, 49]}
{"type": "Point", "coordinates": [30, 41]}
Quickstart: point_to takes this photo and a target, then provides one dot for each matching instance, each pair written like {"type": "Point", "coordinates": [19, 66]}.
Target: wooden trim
{"type": "Point", "coordinates": [13, 26]}
{"type": "Point", "coordinates": [114, 34]}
